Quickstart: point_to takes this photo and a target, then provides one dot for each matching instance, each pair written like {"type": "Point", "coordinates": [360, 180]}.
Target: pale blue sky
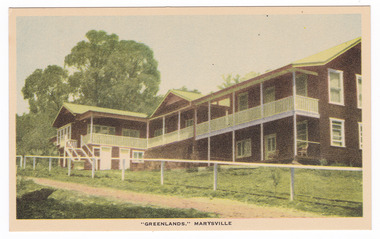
{"type": "Point", "coordinates": [194, 51]}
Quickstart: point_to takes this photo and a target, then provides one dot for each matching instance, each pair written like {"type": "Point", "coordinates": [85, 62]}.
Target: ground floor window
{"type": "Point", "coordinates": [138, 154]}
{"type": "Point", "coordinates": [337, 132]}
{"type": "Point", "coordinates": [243, 148]}
{"type": "Point", "coordinates": [302, 134]}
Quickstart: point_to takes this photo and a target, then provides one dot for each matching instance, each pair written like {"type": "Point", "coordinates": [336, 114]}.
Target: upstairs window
{"type": "Point", "coordinates": [335, 79]}
{"type": "Point", "coordinates": [243, 101]}
{"type": "Point", "coordinates": [337, 132]}
{"type": "Point", "coordinates": [131, 133]}
{"type": "Point", "coordinates": [269, 94]}
{"type": "Point", "coordinates": [189, 122]}
{"type": "Point", "coordinates": [101, 129]}
{"type": "Point", "coordinates": [301, 85]}
{"type": "Point", "coordinates": [359, 90]}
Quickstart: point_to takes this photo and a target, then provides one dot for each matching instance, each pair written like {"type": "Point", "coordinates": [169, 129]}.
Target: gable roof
{"type": "Point", "coordinates": [188, 96]}
{"type": "Point", "coordinates": [326, 56]}
{"type": "Point", "coordinates": [80, 109]}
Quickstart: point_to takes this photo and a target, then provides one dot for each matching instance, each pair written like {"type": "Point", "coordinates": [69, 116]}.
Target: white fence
{"type": "Point", "coordinates": [215, 163]}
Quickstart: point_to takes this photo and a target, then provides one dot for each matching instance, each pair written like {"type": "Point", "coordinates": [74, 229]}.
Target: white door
{"type": "Point", "coordinates": [270, 145]}
{"type": "Point", "coordinates": [105, 158]}
{"type": "Point", "coordinates": [124, 154]}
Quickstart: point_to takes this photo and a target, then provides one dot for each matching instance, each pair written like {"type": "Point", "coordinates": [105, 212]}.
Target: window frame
{"type": "Point", "coordinates": [304, 78]}
{"type": "Point", "coordinates": [341, 88]}
{"type": "Point", "coordinates": [358, 94]}
{"type": "Point", "coordinates": [246, 153]}
{"type": "Point", "coordinates": [130, 130]}
{"type": "Point", "coordinates": [139, 152]}
{"type": "Point", "coordinates": [100, 129]}
{"type": "Point", "coordinates": [343, 137]}
{"type": "Point", "coordinates": [265, 94]}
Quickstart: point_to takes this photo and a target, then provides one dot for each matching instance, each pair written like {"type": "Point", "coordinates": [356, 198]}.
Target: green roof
{"type": "Point", "coordinates": [325, 56]}
{"type": "Point", "coordinates": [187, 95]}
{"type": "Point", "coordinates": [80, 109]}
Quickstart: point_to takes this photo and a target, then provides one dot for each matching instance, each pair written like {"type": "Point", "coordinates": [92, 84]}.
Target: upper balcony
{"type": "Point", "coordinates": [270, 111]}
{"type": "Point", "coordinates": [114, 140]}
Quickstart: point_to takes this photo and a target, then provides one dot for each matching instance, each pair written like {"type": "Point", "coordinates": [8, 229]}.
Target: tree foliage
{"type": "Point", "coordinates": [101, 71]}
{"type": "Point", "coordinates": [114, 74]}
{"type": "Point", "coordinates": [230, 80]}
{"type": "Point", "coordinates": [46, 89]}
{"type": "Point", "coordinates": [184, 88]}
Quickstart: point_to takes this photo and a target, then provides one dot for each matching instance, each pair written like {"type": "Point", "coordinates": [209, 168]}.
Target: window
{"type": "Point", "coordinates": [269, 94]}
{"type": "Point", "coordinates": [138, 154]}
{"type": "Point", "coordinates": [62, 133]}
{"type": "Point", "coordinates": [301, 85]}
{"type": "Point", "coordinates": [243, 148]}
{"type": "Point", "coordinates": [189, 122]}
{"type": "Point", "coordinates": [302, 134]}
{"type": "Point", "coordinates": [359, 90]}
{"type": "Point", "coordinates": [337, 132]}
{"type": "Point", "coordinates": [131, 133]}
{"type": "Point", "coordinates": [101, 129]}
{"type": "Point", "coordinates": [360, 135]}
{"type": "Point", "coordinates": [243, 101]}
{"type": "Point", "coordinates": [336, 87]}
{"type": "Point", "coordinates": [157, 132]}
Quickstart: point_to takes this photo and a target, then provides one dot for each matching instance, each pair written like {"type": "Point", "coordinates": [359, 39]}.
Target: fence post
{"type": "Point", "coordinates": [69, 166]}
{"type": "Point", "coordinates": [21, 161]}
{"type": "Point", "coordinates": [24, 162]}
{"type": "Point", "coordinates": [93, 168]}
{"type": "Point", "coordinates": [123, 170]}
{"type": "Point", "coordinates": [215, 176]}
{"type": "Point", "coordinates": [291, 184]}
{"type": "Point", "coordinates": [49, 164]}
{"type": "Point", "coordinates": [162, 172]}
{"type": "Point", "coordinates": [34, 163]}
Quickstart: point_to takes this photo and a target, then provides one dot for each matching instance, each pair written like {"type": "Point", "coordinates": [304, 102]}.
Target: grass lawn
{"type": "Point", "coordinates": [67, 204]}
{"type": "Point", "coordinates": [335, 193]}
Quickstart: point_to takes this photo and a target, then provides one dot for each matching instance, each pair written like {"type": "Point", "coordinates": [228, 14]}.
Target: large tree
{"type": "Point", "coordinates": [46, 89]}
{"type": "Point", "coordinates": [112, 73]}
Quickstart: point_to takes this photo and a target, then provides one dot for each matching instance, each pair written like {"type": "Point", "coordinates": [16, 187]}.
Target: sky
{"type": "Point", "coordinates": [192, 50]}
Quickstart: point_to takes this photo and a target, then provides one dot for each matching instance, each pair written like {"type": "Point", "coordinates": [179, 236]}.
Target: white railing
{"type": "Point", "coordinates": [186, 133]}
{"type": "Point", "coordinates": [202, 128]}
{"type": "Point", "coordinates": [307, 104]}
{"type": "Point", "coordinates": [116, 140]}
{"type": "Point", "coordinates": [156, 141]}
{"type": "Point", "coordinates": [278, 106]}
{"type": "Point", "coordinates": [248, 115]}
{"type": "Point", "coordinates": [171, 137]}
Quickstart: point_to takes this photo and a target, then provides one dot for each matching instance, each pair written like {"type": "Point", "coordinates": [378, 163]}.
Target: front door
{"type": "Point", "coordinates": [105, 158]}
{"type": "Point", "coordinates": [124, 154]}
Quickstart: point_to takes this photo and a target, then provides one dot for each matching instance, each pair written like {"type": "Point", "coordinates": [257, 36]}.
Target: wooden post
{"type": "Point", "coordinates": [93, 168]}
{"type": "Point", "coordinates": [49, 164]}
{"type": "Point", "coordinates": [215, 176]}
{"type": "Point", "coordinates": [291, 184]}
{"type": "Point", "coordinates": [295, 115]}
{"type": "Point", "coordinates": [69, 167]}
{"type": "Point", "coordinates": [91, 126]}
{"type": "Point", "coordinates": [262, 125]}
{"type": "Point", "coordinates": [147, 134]}
{"type": "Point", "coordinates": [21, 161]}
{"type": "Point", "coordinates": [24, 162]}
{"type": "Point", "coordinates": [123, 170]}
{"type": "Point", "coordinates": [34, 163]}
{"type": "Point", "coordinates": [233, 129]}
{"type": "Point", "coordinates": [162, 172]}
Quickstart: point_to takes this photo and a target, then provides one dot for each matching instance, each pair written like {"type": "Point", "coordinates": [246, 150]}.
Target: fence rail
{"type": "Point", "coordinates": [215, 164]}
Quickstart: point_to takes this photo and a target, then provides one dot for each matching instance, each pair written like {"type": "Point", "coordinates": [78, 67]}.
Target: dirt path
{"type": "Point", "coordinates": [225, 208]}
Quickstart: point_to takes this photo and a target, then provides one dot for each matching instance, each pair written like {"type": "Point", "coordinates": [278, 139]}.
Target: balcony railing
{"type": "Point", "coordinates": [269, 109]}
{"type": "Point", "coordinates": [116, 140]}
{"type": "Point", "coordinates": [171, 137]}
